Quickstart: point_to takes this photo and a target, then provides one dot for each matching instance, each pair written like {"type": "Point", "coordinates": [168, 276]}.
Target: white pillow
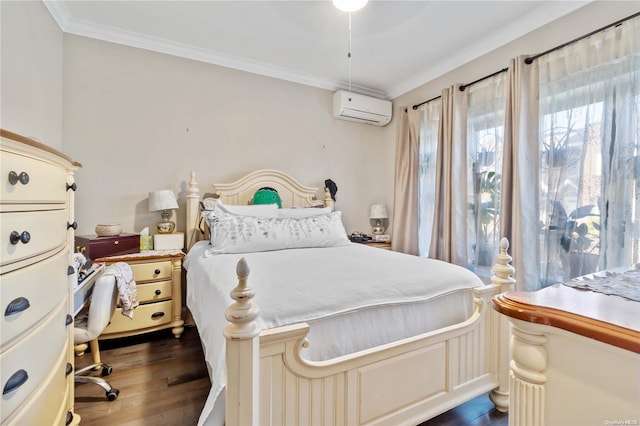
{"type": "Point", "coordinates": [232, 233]}
{"type": "Point", "coordinates": [303, 212]}
{"type": "Point", "coordinates": [254, 210]}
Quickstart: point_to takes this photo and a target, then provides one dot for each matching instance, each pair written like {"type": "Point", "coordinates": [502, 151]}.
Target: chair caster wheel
{"type": "Point", "coordinates": [107, 370]}
{"type": "Point", "coordinates": [112, 394]}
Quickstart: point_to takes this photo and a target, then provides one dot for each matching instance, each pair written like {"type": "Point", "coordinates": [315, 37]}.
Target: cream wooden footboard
{"type": "Point", "coordinates": [404, 382]}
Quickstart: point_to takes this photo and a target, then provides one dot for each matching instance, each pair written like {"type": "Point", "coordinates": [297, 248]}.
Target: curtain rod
{"type": "Point", "coordinates": [530, 59]}
{"type": "Point", "coordinates": [416, 106]}
{"type": "Point", "coordinates": [462, 87]}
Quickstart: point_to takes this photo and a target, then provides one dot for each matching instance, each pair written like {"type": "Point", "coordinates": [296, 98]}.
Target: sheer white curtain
{"type": "Point", "coordinates": [589, 127]}
{"type": "Point", "coordinates": [430, 121]}
{"type": "Point", "coordinates": [485, 120]}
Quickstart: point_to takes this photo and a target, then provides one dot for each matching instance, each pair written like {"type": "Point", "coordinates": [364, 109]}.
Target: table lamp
{"type": "Point", "coordinates": [163, 201]}
{"type": "Point", "coordinates": [379, 219]}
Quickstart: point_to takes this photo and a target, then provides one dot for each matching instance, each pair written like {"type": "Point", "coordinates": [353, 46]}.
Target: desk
{"type": "Point", "coordinates": [81, 298]}
{"type": "Point", "coordinates": [82, 291]}
{"type": "Point", "coordinates": [575, 357]}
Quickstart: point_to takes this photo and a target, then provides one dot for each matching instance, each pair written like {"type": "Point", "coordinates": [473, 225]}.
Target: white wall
{"type": "Point", "coordinates": [139, 121]}
{"type": "Point", "coordinates": [31, 75]}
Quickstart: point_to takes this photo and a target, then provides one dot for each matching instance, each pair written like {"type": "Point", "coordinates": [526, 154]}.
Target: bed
{"type": "Point", "coordinates": [305, 329]}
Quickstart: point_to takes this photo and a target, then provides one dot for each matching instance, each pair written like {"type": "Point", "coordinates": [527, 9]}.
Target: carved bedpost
{"type": "Point", "coordinates": [328, 200]}
{"type": "Point", "coordinates": [503, 278]}
{"type": "Point", "coordinates": [193, 210]}
{"type": "Point", "coordinates": [243, 351]}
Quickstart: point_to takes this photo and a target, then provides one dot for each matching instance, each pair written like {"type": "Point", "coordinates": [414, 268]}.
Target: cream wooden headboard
{"type": "Point", "coordinates": [240, 192]}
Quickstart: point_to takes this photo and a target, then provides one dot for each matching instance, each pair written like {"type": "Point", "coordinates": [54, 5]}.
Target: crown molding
{"type": "Point", "coordinates": [503, 36]}
{"type": "Point", "coordinates": [70, 25]}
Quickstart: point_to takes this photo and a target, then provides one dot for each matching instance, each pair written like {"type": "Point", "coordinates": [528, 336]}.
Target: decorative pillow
{"type": "Point", "coordinates": [300, 212]}
{"type": "Point", "coordinates": [232, 233]}
{"type": "Point", "coordinates": [258, 210]}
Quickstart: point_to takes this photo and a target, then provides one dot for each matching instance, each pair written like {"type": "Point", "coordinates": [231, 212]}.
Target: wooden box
{"type": "Point", "coordinates": [94, 247]}
{"type": "Point", "coordinates": [174, 241]}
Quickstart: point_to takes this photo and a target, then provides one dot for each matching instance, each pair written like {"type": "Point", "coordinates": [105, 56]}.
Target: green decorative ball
{"type": "Point", "coordinates": [267, 196]}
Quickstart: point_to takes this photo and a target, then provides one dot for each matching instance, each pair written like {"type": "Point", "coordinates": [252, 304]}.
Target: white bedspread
{"type": "Point", "coordinates": [321, 285]}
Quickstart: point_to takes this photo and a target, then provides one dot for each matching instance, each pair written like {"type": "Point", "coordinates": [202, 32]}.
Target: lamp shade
{"type": "Point", "coordinates": [378, 211]}
{"type": "Point", "coordinates": [164, 199]}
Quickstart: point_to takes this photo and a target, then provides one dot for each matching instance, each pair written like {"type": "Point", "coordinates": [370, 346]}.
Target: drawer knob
{"type": "Point", "coordinates": [17, 305]}
{"type": "Point", "coordinates": [72, 187]}
{"type": "Point", "coordinates": [14, 178]}
{"type": "Point", "coordinates": [73, 225]}
{"type": "Point", "coordinates": [15, 237]}
{"type": "Point", "coordinates": [157, 272]}
{"type": "Point", "coordinates": [157, 315]}
{"type": "Point", "coordinates": [158, 292]}
{"type": "Point", "coordinates": [69, 369]}
{"type": "Point", "coordinates": [16, 380]}
{"type": "Point", "coordinates": [69, 418]}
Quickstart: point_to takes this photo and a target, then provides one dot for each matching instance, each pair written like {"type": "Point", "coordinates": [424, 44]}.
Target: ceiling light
{"type": "Point", "coordinates": [349, 5]}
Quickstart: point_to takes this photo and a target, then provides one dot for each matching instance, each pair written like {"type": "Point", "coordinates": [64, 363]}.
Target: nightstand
{"type": "Point", "coordinates": [385, 245]}
{"type": "Point", "coordinates": [159, 284]}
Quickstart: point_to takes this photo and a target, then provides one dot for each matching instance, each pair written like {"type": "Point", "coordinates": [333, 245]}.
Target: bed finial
{"type": "Point", "coordinates": [504, 281]}
{"type": "Point", "coordinates": [192, 210]}
{"type": "Point", "coordinates": [328, 200]}
{"type": "Point", "coordinates": [192, 186]}
{"type": "Point", "coordinates": [503, 270]}
{"type": "Point", "coordinates": [243, 312]}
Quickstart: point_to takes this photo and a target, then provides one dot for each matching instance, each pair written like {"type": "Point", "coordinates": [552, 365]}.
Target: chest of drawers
{"type": "Point", "coordinates": [36, 330]}
{"type": "Point", "coordinates": [159, 285]}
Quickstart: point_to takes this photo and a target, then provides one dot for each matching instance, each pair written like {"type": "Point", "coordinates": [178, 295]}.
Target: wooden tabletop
{"type": "Point", "coordinates": [609, 319]}
{"type": "Point", "coordinates": [143, 255]}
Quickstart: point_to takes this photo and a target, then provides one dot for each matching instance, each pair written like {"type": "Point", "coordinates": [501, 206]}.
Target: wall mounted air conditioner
{"type": "Point", "coordinates": [363, 109]}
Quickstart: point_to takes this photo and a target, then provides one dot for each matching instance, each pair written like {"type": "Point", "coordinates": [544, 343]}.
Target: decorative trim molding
{"type": "Point", "coordinates": [155, 44]}
{"type": "Point", "coordinates": [541, 17]}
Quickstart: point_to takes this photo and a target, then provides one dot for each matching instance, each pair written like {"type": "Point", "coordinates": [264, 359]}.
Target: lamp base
{"type": "Point", "coordinates": [165, 227]}
{"type": "Point", "coordinates": [377, 230]}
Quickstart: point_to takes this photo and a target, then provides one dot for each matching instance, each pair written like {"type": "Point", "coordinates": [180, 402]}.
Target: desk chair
{"type": "Point", "coordinates": [101, 309]}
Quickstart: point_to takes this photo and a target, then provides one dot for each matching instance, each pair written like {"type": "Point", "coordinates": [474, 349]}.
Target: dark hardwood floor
{"type": "Point", "coordinates": [164, 381]}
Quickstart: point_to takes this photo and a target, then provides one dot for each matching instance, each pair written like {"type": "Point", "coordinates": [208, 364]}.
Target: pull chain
{"type": "Point", "coordinates": [349, 53]}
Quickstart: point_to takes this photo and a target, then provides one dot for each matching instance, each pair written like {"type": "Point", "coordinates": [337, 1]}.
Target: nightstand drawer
{"type": "Point", "coordinates": [150, 315]}
{"type": "Point", "coordinates": [152, 292]}
{"type": "Point", "coordinates": [158, 278]}
{"type": "Point", "coordinates": [151, 271]}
